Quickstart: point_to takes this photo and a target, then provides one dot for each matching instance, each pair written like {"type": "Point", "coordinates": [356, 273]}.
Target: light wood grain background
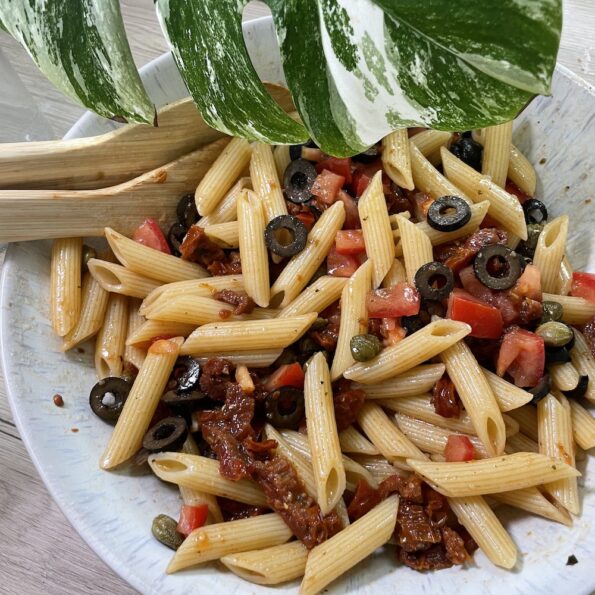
{"type": "Point", "coordinates": [40, 553]}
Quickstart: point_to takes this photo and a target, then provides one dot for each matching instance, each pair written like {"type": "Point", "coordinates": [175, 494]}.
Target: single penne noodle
{"type": "Point", "coordinates": [111, 340]}
{"type": "Point", "coordinates": [377, 466]}
{"type": "Point", "coordinates": [433, 439]}
{"type": "Point", "coordinates": [344, 550]}
{"type": "Point", "coordinates": [532, 500]}
{"type": "Point", "coordinates": [508, 396]}
{"type": "Point", "coordinates": [521, 171]}
{"type": "Point", "coordinates": [141, 403]}
{"type": "Point", "coordinates": [253, 250]}
{"type": "Point", "coordinates": [202, 474]}
{"type": "Point", "coordinates": [520, 443]}
{"type": "Point", "coordinates": [414, 382]}
{"type": "Point", "coordinates": [576, 310]}
{"type": "Point", "coordinates": [396, 274]}
{"type": "Point", "coordinates": [496, 152]}
{"type": "Point", "coordinates": [282, 159]}
{"type": "Point", "coordinates": [215, 541]}
{"type": "Point", "coordinates": [150, 262]}
{"type": "Point", "coordinates": [378, 237]}
{"type": "Point", "coordinates": [226, 169]}
{"type": "Point", "coordinates": [584, 363]}
{"type": "Point", "coordinates": [302, 266]}
{"type": "Point", "coordinates": [493, 475]}
{"type": "Point", "coordinates": [385, 435]}
{"type": "Point", "coordinates": [93, 306]}
{"type": "Point", "coordinates": [226, 210]}
{"type": "Point", "coordinates": [476, 395]}
{"type": "Point", "coordinates": [411, 351]}
{"type": "Point", "coordinates": [583, 425]}
{"type": "Point", "coordinates": [352, 441]}
{"type": "Point", "coordinates": [326, 290]}
{"type": "Point", "coordinates": [550, 252]}
{"type": "Point", "coordinates": [526, 417]}
{"type": "Point", "coordinates": [150, 329]}
{"type": "Point", "coordinates": [354, 317]}
{"type": "Point", "coordinates": [417, 248]}
{"type": "Point", "coordinates": [134, 355]}
{"type": "Point", "coordinates": [396, 160]}
{"type": "Point", "coordinates": [265, 181]}
{"type": "Point", "coordinates": [428, 179]}
{"type": "Point", "coordinates": [118, 279]}
{"type": "Point", "coordinates": [564, 376]}
{"type": "Point", "coordinates": [247, 335]}
{"type": "Point", "coordinates": [327, 462]}
{"type": "Point", "coordinates": [429, 142]}
{"type": "Point", "coordinates": [394, 220]}
{"type": "Point", "coordinates": [252, 359]}
{"type": "Point", "coordinates": [483, 525]}
{"type": "Point", "coordinates": [504, 207]}
{"type": "Point", "coordinates": [65, 284]}
{"type": "Point", "coordinates": [226, 235]}
{"type": "Point", "coordinates": [564, 284]}
{"type": "Point", "coordinates": [270, 566]}
{"type": "Point", "coordinates": [554, 427]}
{"type": "Point", "coordinates": [199, 287]}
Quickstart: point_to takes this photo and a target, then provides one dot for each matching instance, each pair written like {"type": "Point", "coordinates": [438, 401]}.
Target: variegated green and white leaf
{"type": "Point", "coordinates": [81, 46]}
{"type": "Point", "coordinates": [207, 42]}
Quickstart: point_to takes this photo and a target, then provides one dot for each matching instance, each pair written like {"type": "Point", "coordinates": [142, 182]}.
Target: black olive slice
{"type": "Point", "coordinates": [557, 355]}
{"type": "Point", "coordinates": [412, 324]}
{"type": "Point", "coordinates": [186, 373]}
{"type": "Point", "coordinates": [285, 235]}
{"type": "Point", "coordinates": [186, 211]}
{"type": "Point", "coordinates": [284, 407]}
{"type": "Point", "coordinates": [434, 281]}
{"type": "Point", "coordinates": [185, 403]}
{"type": "Point", "coordinates": [535, 211]}
{"type": "Point", "coordinates": [298, 180]}
{"type": "Point", "coordinates": [108, 396]}
{"type": "Point", "coordinates": [175, 236]}
{"type": "Point", "coordinates": [542, 388]}
{"type": "Point", "coordinates": [368, 156]}
{"type": "Point", "coordinates": [448, 213]}
{"type": "Point", "coordinates": [468, 151]}
{"type": "Point", "coordinates": [295, 151]}
{"type": "Point", "coordinates": [167, 434]}
{"type": "Point", "coordinates": [579, 390]}
{"type": "Point", "coordinates": [497, 266]}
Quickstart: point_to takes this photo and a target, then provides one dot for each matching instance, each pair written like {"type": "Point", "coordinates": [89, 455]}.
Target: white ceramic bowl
{"type": "Point", "coordinates": [113, 511]}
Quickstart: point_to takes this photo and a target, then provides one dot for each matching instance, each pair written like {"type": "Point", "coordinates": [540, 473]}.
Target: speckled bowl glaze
{"type": "Point", "coordinates": [113, 511]}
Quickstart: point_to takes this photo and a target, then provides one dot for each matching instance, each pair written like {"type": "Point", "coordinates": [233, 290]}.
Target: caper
{"type": "Point", "coordinates": [88, 254]}
{"type": "Point", "coordinates": [555, 334]}
{"type": "Point", "coordinates": [551, 311]}
{"type": "Point", "coordinates": [364, 347]}
{"type": "Point", "coordinates": [164, 529]}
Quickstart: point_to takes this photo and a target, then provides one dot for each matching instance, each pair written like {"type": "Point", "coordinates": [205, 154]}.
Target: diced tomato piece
{"type": "Point", "coordinates": [191, 518]}
{"type": "Point", "coordinates": [350, 241]}
{"type": "Point", "coordinates": [286, 375]}
{"type": "Point", "coordinates": [351, 211]}
{"type": "Point", "coordinates": [529, 283]}
{"type": "Point", "coordinates": [307, 219]}
{"type": "Point", "coordinates": [485, 320]}
{"type": "Point", "coordinates": [392, 331]}
{"type": "Point", "coordinates": [522, 355]}
{"type": "Point", "coordinates": [359, 182]}
{"type": "Point", "coordinates": [341, 167]}
{"type": "Point", "coordinates": [341, 265]}
{"type": "Point", "coordinates": [458, 448]}
{"type": "Point", "coordinates": [512, 188]}
{"type": "Point", "coordinates": [327, 185]}
{"type": "Point", "coordinates": [421, 204]}
{"type": "Point", "coordinates": [149, 234]}
{"type": "Point", "coordinates": [583, 285]}
{"type": "Point", "coordinates": [401, 299]}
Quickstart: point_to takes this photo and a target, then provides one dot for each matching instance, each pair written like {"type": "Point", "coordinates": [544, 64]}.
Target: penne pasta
{"type": "Point", "coordinates": [520, 443]}
{"type": "Point", "coordinates": [150, 329]}
{"type": "Point", "coordinates": [583, 425]}
{"type": "Point", "coordinates": [417, 248]}
{"type": "Point", "coordinates": [493, 475]}
{"type": "Point", "coordinates": [430, 141]}
{"type": "Point", "coordinates": [134, 355]}
{"type": "Point", "coordinates": [564, 284]}
{"type": "Point", "coordinates": [411, 351]}
{"type": "Point", "coordinates": [261, 358]}
{"type": "Point", "coordinates": [253, 250]}
{"type": "Point", "coordinates": [532, 500]}
{"type": "Point", "coordinates": [215, 541]}
{"type": "Point", "coordinates": [327, 462]}
{"type": "Point", "coordinates": [190, 310]}
{"type": "Point", "coordinates": [344, 550]}
{"type": "Point", "coordinates": [526, 417]}
{"type": "Point", "coordinates": [508, 396]}
{"type": "Point", "coordinates": [564, 376]}
{"type": "Point", "coordinates": [378, 467]}
{"type": "Point", "coordinates": [118, 279]}
{"type": "Point", "coordinates": [111, 340]}
{"type": "Point", "coordinates": [550, 252]}
{"type": "Point", "coordinates": [584, 363]}
{"type": "Point", "coordinates": [226, 235]}
{"type": "Point", "coordinates": [220, 177]}
{"type": "Point", "coordinates": [354, 317]}
{"type": "Point", "coordinates": [326, 290]}
{"type": "Point", "coordinates": [302, 266]}
{"type": "Point", "coordinates": [65, 284]}
{"type": "Point", "coordinates": [226, 210]}
{"type": "Point", "coordinates": [396, 274]}
{"type": "Point", "coordinates": [141, 403]}
{"type": "Point", "coordinates": [265, 181]}
{"type": "Point", "coordinates": [497, 143]}
{"type": "Point", "coordinates": [282, 159]}
{"type": "Point", "coordinates": [521, 172]}
{"type": "Point", "coordinates": [247, 335]}
{"type": "Point", "coordinates": [352, 441]}
{"type": "Point", "coordinates": [396, 160]}
{"type": "Point", "coordinates": [576, 310]}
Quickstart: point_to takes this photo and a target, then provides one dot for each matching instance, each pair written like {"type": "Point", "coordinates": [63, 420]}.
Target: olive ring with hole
{"type": "Point", "coordinates": [168, 434]}
{"type": "Point", "coordinates": [285, 408]}
{"type": "Point", "coordinates": [294, 229]}
{"type": "Point", "coordinates": [186, 211]}
{"type": "Point", "coordinates": [434, 281]}
{"type": "Point", "coordinates": [497, 266]}
{"type": "Point", "coordinates": [108, 396]}
{"type": "Point", "coordinates": [535, 211]}
{"type": "Point", "coordinates": [175, 237]}
{"type": "Point", "coordinates": [298, 180]}
{"type": "Point", "coordinates": [541, 389]}
{"type": "Point", "coordinates": [448, 213]}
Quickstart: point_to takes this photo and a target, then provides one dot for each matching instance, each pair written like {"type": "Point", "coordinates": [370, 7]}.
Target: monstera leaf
{"type": "Point", "coordinates": [357, 69]}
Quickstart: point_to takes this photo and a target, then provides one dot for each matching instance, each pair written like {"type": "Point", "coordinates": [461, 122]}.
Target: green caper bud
{"type": "Point", "coordinates": [551, 311]}
{"type": "Point", "coordinates": [364, 347]}
{"type": "Point", "coordinates": [555, 334]}
{"type": "Point", "coordinates": [88, 254]}
{"type": "Point", "coordinates": [307, 346]}
{"type": "Point", "coordinates": [319, 324]}
{"type": "Point", "coordinates": [164, 529]}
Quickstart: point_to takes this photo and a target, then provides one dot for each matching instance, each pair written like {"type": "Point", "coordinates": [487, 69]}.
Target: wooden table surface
{"type": "Point", "coordinates": [40, 553]}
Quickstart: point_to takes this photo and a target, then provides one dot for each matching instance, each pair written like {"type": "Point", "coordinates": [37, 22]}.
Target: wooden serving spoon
{"type": "Point", "coordinates": [112, 158]}
{"type": "Point", "coordinates": [43, 214]}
